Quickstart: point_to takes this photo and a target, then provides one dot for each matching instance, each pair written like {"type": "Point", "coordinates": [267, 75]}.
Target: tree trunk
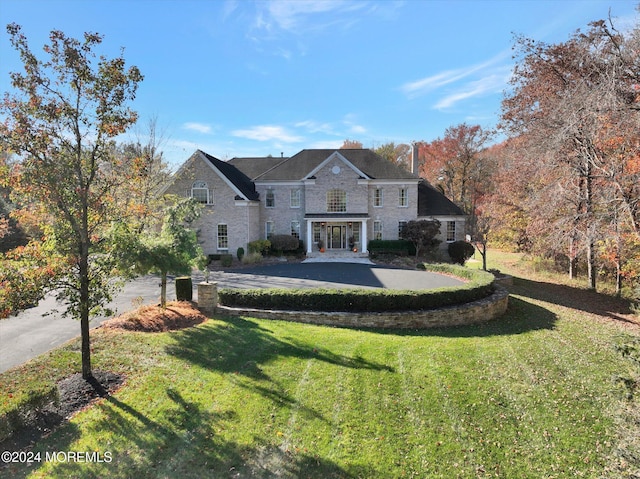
{"type": "Point", "coordinates": [590, 217]}
{"type": "Point", "coordinates": [483, 253]}
{"type": "Point", "coordinates": [591, 264]}
{"type": "Point", "coordinates": [84, 311]}
{"type": "Point", "coordinates": [572, 257]}
{"type": "Point", "coordinates": [163, 290]}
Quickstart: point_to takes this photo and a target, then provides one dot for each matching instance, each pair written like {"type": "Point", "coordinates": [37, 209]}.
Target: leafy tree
{"type": "Point", "coordinates": [61, 121]}
{"type": "Point", "coordinates": [571, 104]}
{"type": "Point", "coordinates": [145, 159]}
{"type": "Point", "coordinates": [456, 165]}
{"type": "Point", "coordinates": [421, 233]}
{"type": "Point", "coordinates": [399, 154]}
{"type": "Point", "coordinates": [351, 144]}
{"type": "Point", "coordinates": [175, 249]}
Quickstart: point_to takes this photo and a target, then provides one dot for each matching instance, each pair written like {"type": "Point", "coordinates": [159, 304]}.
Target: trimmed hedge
{"type": "Point", "coordinates": [401, 247]}
{"type": "Point", "coordinates": [284, 243]}
{"type": "Point", "coordinates": [479, 285]}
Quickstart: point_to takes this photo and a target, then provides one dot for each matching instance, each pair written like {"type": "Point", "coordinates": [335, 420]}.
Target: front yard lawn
{"type": "Point", "coordinates": [529, 395]}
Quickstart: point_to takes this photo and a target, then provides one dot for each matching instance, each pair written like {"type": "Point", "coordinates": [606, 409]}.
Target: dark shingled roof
{"type": "Point", "coordinates": [235, 176]}
{"type": "Point", "coordinates": [301, 164]}
{"type": "Point", "coordinates": [431, 202]}
{"type": "Point", "coordinates": [254, 167]}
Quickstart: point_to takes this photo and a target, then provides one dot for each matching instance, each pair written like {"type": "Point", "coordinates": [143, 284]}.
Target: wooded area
{"type": "Point", "coordinates": [565, 183]}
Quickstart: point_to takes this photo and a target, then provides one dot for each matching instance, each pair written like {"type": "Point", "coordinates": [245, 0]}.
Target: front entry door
{"type": "Point", "coordinates": [337, 238]}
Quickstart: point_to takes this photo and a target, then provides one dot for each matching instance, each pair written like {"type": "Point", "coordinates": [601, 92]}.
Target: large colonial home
{"type": "Point", "coordinates": [329, 198]}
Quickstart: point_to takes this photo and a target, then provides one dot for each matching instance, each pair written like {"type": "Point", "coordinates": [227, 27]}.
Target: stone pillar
{"type": "Point", "coordinates": [208, 297]}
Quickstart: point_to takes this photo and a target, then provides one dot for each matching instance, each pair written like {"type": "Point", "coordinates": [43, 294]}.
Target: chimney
{"type": "Point", "coordinates": [415, 163]}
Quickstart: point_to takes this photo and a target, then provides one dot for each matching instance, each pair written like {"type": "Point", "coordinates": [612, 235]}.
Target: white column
{"type": "Point", "coordinates": [363, 236]}
{"type": "Point", "coordinates": [309, 236]}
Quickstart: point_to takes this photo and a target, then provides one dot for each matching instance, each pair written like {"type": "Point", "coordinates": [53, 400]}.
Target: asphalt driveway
{"type": "Point", "coordinates": [331, 275]}
{"type": "Point", "coordinates": [38, 330]}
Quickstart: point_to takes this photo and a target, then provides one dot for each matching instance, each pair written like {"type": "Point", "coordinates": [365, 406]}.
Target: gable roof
{"type": "Point", "coordinates": [236, 177]}
{"type": "Point", "coordinates": [432, 202]}
{"type": "Point", "coordinates": [254, 167]}
{"type": "Point", "coordinates": [303, 163]}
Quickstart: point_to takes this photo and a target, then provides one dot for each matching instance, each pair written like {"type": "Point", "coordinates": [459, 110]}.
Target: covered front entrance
{"type": "Point", "coordinates": [331, 233]}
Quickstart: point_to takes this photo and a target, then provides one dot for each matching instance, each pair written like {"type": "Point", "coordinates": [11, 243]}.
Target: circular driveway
{"type": "Point", "coordinates": [331, 275]}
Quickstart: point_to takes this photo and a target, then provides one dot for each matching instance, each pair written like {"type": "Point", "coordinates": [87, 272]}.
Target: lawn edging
{"type": "Point", "coordinates": [474, 312]}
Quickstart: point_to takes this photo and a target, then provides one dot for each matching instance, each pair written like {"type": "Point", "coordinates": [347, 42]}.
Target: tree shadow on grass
{"type": "Point", "coordinates": [184, 440]}
{"type": "Point", "coordinates": [241, 346]}
{"type": "Point", "coordinates": [521, 317]}
{"type": "Point", "coordinates": [580, 299]}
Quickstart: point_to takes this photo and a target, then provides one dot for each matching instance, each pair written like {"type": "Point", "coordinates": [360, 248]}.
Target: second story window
{"type": "Point", "coordinates": [200, 192]}
{"type": "Point", "coordinates": [336, 201]}
{"type": "Point", "coordinates": [295, 198]}
{"type": "Point", "coordinates": [270, 201]}
{"type": "Point", "coordinates": [377, 197]}
{"type": "Point", "coordinates": [403, 197]}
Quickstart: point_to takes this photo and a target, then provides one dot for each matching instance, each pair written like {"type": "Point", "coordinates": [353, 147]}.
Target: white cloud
{"type": "Point", "coordinates": [294, 16]}
{"type": "Point", "coordinates": [199, 127]}
{"type": "Point", "coordinates": [493, 83]}
{"type": "Point", "coordinates": [354, 128]}
{"type": "Point", "coordinates": [315, 127]}
{"type": "Point", "coordinates": [433, 82]}
{"type": "Point", "coordinates": [267, 133]}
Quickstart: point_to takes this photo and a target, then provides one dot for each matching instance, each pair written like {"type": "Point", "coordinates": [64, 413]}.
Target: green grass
{"type": "Point", "coordinates": [530, 395]}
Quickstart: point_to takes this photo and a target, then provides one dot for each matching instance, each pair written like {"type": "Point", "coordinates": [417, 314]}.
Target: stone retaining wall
{"type": "Point", "coordinates": [475, 312]}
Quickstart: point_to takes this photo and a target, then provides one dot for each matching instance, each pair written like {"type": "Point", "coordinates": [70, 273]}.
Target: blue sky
{"type": "Point", "coordinates": [253, 78]}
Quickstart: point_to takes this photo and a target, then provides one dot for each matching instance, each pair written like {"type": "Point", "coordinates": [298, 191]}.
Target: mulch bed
{"type": "Point", "coordinates": [154, 319]}
{"type": "Point", "coordinates": [74, 394]}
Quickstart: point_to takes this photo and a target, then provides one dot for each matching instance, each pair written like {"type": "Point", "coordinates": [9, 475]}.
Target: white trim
{"type": "Point", "coordinates": [405, 182]}
{"type": "Point", "coordinates": [277, 183]}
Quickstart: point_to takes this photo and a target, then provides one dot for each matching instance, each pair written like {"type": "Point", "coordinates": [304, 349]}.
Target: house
{"type": "Point", "coordinates": [330, 197]}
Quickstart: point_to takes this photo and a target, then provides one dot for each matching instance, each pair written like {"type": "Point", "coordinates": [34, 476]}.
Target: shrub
{"type": "Point", "coordinates": [479, 286]}
{"type": "Point", "coordinates": [184, 288]}
{"type": "Point", "coordinates": [400, 247]}
{"type": "Point", "coordinates": [252, 258]}
{"type": "Point", "coordinates": [259, 246]}
{"type": "Point", "coordinates": [422, 234]}
{"type": "Point", "coordinates": [240, 253]}
{"type": "Point", "coordinates": [226, 260]}
{"type": "Point", "coordinates": [284, 243]}
{"type": "Point", "coordinates": [460, 251]}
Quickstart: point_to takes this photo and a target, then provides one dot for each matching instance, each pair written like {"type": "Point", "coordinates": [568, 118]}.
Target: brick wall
{"type": "Point", "coordinates": [241, 218]}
